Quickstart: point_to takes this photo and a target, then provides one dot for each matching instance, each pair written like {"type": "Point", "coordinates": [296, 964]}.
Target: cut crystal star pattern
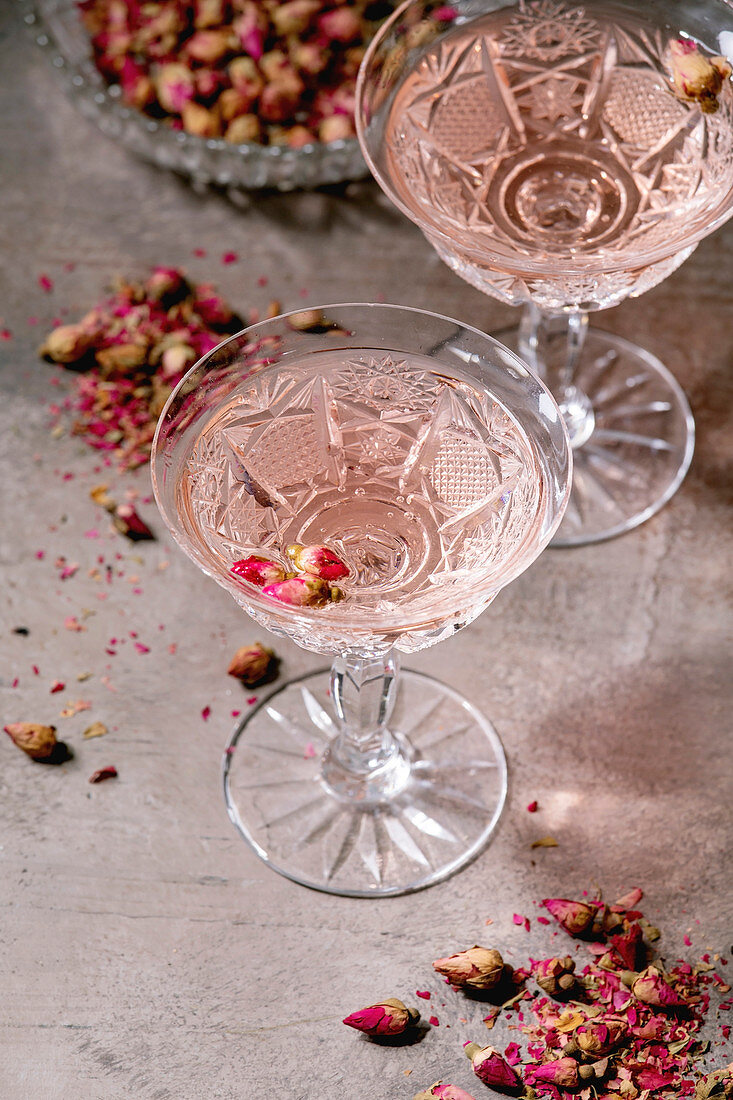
{"type": "Point", "coordinates": [438, 466]}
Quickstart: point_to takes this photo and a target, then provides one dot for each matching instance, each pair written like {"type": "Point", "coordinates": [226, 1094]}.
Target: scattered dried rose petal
{"type": "Point", "coordinates": [532, 807]}
{"type": "Point", "coordinates": [110, 772]}
{"type": "Point", "coordinates": [56, 686]}
{"type": "Point", "coordinates": [97, 729]}
{"type": "Point", "coordinates": [544, 842]}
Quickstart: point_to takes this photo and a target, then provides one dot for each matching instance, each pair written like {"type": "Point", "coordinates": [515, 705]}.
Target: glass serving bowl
{"type": "Point", "coordinates": [58, 29]}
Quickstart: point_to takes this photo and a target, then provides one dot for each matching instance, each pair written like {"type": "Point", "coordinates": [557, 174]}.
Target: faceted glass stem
{"type": "Point", "coordinates": [365, 756]}
{"type": "Point", "coordinates": [552, 343]}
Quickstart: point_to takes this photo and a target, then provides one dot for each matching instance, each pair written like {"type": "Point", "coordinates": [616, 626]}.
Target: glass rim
{"type": "Point", "coordinates": [591, 263]}
{"type": "Point", "coordinates": [400, 622]}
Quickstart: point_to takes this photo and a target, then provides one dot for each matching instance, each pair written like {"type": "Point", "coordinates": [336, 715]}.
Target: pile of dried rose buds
{"type": "Point", "coordinates": [244, 70]}
{"type": "Point", "coordinates": [622, 1028]}
{"type": "Point", "coordinates": [318, 567]}
{"type": "Point", "coordinates": [130, 352]}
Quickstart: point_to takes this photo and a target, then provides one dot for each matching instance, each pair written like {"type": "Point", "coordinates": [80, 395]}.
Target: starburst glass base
{"type": "Point", "coordinates": [633, 449]}
{"type": "Point", "coordinates": [429, 811]}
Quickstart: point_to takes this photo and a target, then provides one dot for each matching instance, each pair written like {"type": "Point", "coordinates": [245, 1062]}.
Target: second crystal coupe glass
{"type": "Point", "coordinates": [563, 157]}
{"type": "Point", "coordinates": [434, 467]}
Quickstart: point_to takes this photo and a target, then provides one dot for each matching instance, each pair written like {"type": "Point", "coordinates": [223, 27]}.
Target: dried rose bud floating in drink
{"type": "Point", "coordinates": [302, 592]}
{"type": "Point", "coordinates": [259, 571]}
{"type": "Point", "coordinates": [390, 1017]}
{"type": "Point", "coordinates": [476, 968]}
{"type": "Point", "coordinates": [697, 78]}
{"type": "Point", "coordinates": [319, 561]}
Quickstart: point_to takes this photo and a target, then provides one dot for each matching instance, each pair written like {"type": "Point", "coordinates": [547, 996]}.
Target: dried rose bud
{"type": "Point", "coordinates": [697, 79]}
{"type": "Point", "coordinates": [445, 1092]}
{"type": "Point", "coordinates": [493, 1070]}
{"type": "Point", "coordinates": [259, 571]}
{"type": "Point", "coordinates": [651, 988]}
{"type": "Point", "coordinates": [716, 1086]}
{"type": "Point", "coordinates": [39, 742]}
{"type": "Point", "coordinates": [335, 128]}
{"type": "Point", "coordinates": [245, 77]}
{"type": "Point", "coordinates": [66, 344]}
{"type": "Point", "coordinates": [390, 1017]}
{"type": "Point", "coordinates": [122, 358]}
{"type": "Point", "coordinates": [307, 320]}
{"type": "Point", "coordinates": [177, 359]}
{"type": "Point", "coordinates": [300, 592]}
{"type": "Point", "coordinates": [166, 285]}
{"type": "Point", "coordinates": [210, 13]}
{"type": "Point", "coordinates": [174, 86]}
{"type": "Point", "coordinates": [562, 1072]}
{"type": "Point", "coordinates": [252, 664]}
{"type": "Point", "coordinates": [308, 57]}
{"type": "Point", "coordinates": [210, 46]}
{"type": "Point", "coordinates": [110, 772]}
{"type": "Point", "coordinates": [340, 24]}
{"type": "Point", "coordinates": [556, 976]}
{"type": "Point", "coordinates": [278, 101]}
{"type": "Point", "coordinates": [294, 16]}
{"type": "Point", "coordinates": [234, 102]}
{"type": "Point", "coordinates": [129, 524]}
{"type": "Point", "coordinates": [576, 917]}
{"type": "Point", "coordinates": [598, 1038]}
{"type": "Point", "coordinates": [201, 121]}
{"type": "Point", "coordinates": [476, 968]}
{"type": "Point", "coordinates": [243, 129]}
{"type": "Point", "coordinates": [318, 561]}
{"type": "Point", "coordinates": [137, 87]}
{"type": "Point", "coordinates": [298, 136]}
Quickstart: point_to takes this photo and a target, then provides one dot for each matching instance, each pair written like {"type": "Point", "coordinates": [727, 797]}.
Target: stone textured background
{"type": "Point", "coordinates": [146, 952]}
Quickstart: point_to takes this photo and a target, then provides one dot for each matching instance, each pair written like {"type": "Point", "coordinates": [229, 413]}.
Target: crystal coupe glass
{"type": "Point", "coordinates": [563, 157]}
{"type": "Point", "coordinates": [436, 466]}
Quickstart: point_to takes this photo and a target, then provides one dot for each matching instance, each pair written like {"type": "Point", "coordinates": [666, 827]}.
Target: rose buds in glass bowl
{"type": "Point", "coordinates": [477, 968]}
{"type": "Point", "coordinates": [390, 1017]}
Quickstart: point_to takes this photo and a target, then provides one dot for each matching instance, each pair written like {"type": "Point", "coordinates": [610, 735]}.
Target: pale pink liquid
{"type": "Point", "coordinates": [421, 482]}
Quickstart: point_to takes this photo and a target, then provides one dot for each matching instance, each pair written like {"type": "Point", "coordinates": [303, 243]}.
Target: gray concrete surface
{"type": "Point", "coordinates": [146, 952]}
